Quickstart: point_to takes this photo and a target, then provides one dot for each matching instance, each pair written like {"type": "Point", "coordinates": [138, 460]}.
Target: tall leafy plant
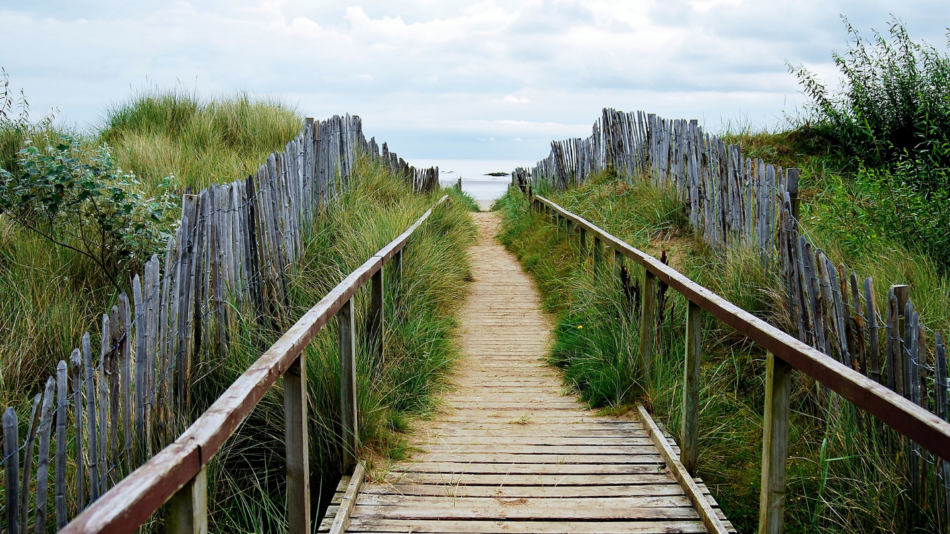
{"type": "Point", "coordinates": [894, 101]}
{"type": "Point", "coordinates": [83, 202]}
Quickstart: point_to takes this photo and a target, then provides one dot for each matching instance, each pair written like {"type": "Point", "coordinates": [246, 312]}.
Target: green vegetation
{"type": "Point", "coordinates": [887, 130]}
{"type": "Point", "coordinates": [120, 189]}
{"type": "Point", "coordinates": [837, 460]}
{"type": "Point", "coordinates": [149, 151]}
{"type": "Point", "coordinates": [246, 484]}
{"type": "Point", "coordinates": [874, 194]}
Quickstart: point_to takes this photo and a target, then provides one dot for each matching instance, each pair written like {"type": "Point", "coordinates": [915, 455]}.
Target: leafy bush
{"type": "Point", "coordinates": [894, 103]}
{"type": "Point", "coordinates": [84, 203]}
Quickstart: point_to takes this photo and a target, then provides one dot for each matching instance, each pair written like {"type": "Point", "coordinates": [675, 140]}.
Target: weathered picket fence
{"type": "Point", "coordinates": [734, 200]}
{"type": "Point", "coordinates": [235, 247]}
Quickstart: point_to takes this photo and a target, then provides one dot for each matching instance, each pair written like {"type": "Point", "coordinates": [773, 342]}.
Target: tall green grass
{"type": "Point", "coordinates": [247, 479]}
{"type": "Point", "coordinates": [841, 479]}
{"type": "Point", "coordinates": [161, 133]}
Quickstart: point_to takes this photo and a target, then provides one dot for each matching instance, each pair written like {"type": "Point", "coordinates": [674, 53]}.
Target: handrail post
{"type": "Point", "coordinates": [188, 508]}
{"type": "Point", "coordinates": [348, 384]}
{"type": "Point", "coordinates": [774, 446]}
{"type": "Point", "coordinates": [689, 453]}
{"type": "Point", "coordinates": [375, 321]}
{"type": "Point", "coordinates": [596, 253]}
{"type": "Point", "coordinates": [583, 242]}
{"type": "Point", "coordinates": [647, 322]}
{"type": "Point", "coordinates": [298, 454]}
{"type": "Point", "coordinates": [397, 274]}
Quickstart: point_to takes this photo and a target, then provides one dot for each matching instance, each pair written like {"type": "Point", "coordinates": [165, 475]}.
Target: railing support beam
{"type": "Point", "coordinates": [598, 254]}
{"type": "Point", "coordinates": [375, 321]}
{"type": "Point", "coordinates": [689, 453]}
{"type": "Point", "coordinates": [774, 446]}
{"type": "Point", "coordinates": [348, 384]}
{"type": "Point", "coordinates": [298, 453]}
{"type": "Point", "coordinates": [647, 322]}
{"type": "Point", "coordinates": [583, 241]}
{"type": "Point", "coordinates": [188, 509]}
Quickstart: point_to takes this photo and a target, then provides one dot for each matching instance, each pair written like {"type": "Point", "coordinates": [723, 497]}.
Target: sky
{"type": "Point", "coordinates": [442, 79]}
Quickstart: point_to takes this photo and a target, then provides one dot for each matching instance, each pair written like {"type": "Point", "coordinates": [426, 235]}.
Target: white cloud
{"type": "Point", "coordinates": [435, 77]}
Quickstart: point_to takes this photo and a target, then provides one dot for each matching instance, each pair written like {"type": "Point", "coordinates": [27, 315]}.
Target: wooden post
{"type": "Point", "coordinates": [397, 270]}
{"type": "Point", "coordinates": [42, 465]}
{"type": "Point", "coordinates": [348, 384]}
{"type": "Point", "coordinates": [298, 454]}
{"type": "Point", "coordinates": [597, 254]}
{"type": "Point", "coordinates": [375, 321]}
{"type": "Point", "coordinates": [583, 243]}
{"type": "Point", "coordinates": [774, 446]}
{"type": "Point", "coordinates": [689, 453]}
{"type": "Point", "coordinates": [188, 508]}
{"type": "Point", "coordinates": [75, 360]}
{"type": "Point", "coordinates": [62, 406]}
{"type": "Point", "coordinates": [792, 188]}
{"type": "Point", "coordinates": [11, 469]}
{"type": "Point", "coordinates": [647, 322]}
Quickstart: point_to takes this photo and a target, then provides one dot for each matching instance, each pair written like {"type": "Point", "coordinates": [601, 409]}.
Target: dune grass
{"type": "Point", "coordinates": [50, 295]}
{"type": "Point", "coordinates": [840, 478]}
{"type": "Point", "coordinates": [246, 482]}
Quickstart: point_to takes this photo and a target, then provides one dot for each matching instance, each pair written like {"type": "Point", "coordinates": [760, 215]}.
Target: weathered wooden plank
{"type": "Point", "coordinates": [408, 526]}
{"type": "Point", "coordinates": [689, 433]}
{"type": "Point", "coordinates": [538, 457]}
{"type": "Point", "coordinates": [11, 470]}
{"type": "Point", "coordinates": [62, 407]}
{"type": "Point", "coordinates": [42, 465]}
{"type": "Point", "coordinates": [348, 401]}
{"type": "Point", "coordinates": [341, 521]}
{"type": "Point", "coordinates": [75, 360]}
{"type": "Point", "coordinates": [702, 508]}
{"type": "Point", "coordinates": [509, 492]}
{"type": "Point", "coordinates": [647, 323]}
{"type": "Point", "coordinates": [774, 446]}
{"type": "Point", "coordinates": [28, 460]}
{"type": "Point", "coordinates": [296, 442]}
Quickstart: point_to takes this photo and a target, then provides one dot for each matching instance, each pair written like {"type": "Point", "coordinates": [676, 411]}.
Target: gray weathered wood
{"type": "Point", "coordinates": [689, 448]}
{"type": "Point", "coordinates": [42, 464]}
{"type": "Point", "coordinates": [103, 417]}
{"type": "Point", "coordinates": [125, 363]}
{"type": "Point", "coordinates": [774, 446]}
{"type": "Point", "coordinates": [75, 361]}
{"type": "Point", "coordinates": [188, 508]}
{"type": "Point", "coordinates": [647, 323]}
{"type": "Point", "coordinates": [342, 519]}
{"type": "Point", "coordinates": [11, 470]}
{"type": "Point", "coordinates": [348, 401]}
{"type": "Point", "coordinates": [91, 417]}
{"type": "Point", "coordinates": [597, 253]}
{"type": "Point", "coordinates": [28, 460]}
{"type": "Point", "coordinates": [296, 442]}
{"type": "Point", "coordinates": [62, 407]}
{"type": "Point", "coordinates": [695, 495]}
{"type": "Point", "coordinates": [140, 380]}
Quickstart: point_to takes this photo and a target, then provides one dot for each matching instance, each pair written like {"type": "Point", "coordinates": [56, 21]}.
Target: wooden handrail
{"type": "Point", "coordinates": [902, 415]}
{"type": "Point", "coordinates": [136, 497]}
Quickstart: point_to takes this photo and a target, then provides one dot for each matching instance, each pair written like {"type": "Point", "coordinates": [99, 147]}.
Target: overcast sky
{"type": "Point", "coordinates": [447, 79]}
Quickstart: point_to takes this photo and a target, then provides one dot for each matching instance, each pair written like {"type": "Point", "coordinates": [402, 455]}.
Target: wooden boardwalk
{"type": "Point", "coordinates": [512, 452]}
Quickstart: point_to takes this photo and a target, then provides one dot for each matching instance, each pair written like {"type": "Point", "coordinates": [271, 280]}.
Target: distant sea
{"type": "Point", "coordinates": [474, 174]}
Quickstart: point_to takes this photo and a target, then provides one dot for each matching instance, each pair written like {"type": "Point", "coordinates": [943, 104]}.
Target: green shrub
{"type": "Point", "coordinates": [83, 202]}
{"type": "Point", "coordinates": [894, 103]}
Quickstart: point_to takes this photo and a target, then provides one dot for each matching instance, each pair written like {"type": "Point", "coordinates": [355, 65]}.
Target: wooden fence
{"type": "Point", "coordinates": [235, 247]}
{"type": "Point", "coordinates": [903, 415]}
{"type": "Point", "coordinates": [733, 200]}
